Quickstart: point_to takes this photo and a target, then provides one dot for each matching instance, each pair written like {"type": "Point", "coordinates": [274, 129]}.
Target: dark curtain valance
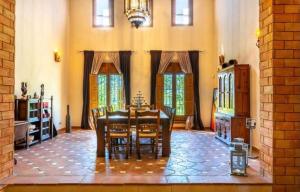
{"type": "Point", "coordinates": [125, 70]}
{"type": "Point", "coordinates": [88, 62]}
{"type": "Point", "coordinates": [194, 57]}
{"type": "Point", "coordinates": [155, 62]}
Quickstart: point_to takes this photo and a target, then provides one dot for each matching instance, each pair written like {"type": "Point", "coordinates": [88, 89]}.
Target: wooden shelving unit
{"type": "Point", "coordinates": [37, 112]}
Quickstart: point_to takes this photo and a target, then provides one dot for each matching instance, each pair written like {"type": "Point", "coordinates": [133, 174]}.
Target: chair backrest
{"type": "Point", "coordinates": [121, 122]}
{"type": "Point", "coordinates": [101, 111]}
{"type": "Point", "coordinates": [171, 112]}
{"type": "Point", "coordinates": [95, 115]}
{"type": "Point", "coordinates": [109, 108]}
{"type": "Point", "coordinates": [167, 110]}
{"type": "Point", "coordinates": [172, 118]}
{"type": "Point", "coordinates": [149, 120]}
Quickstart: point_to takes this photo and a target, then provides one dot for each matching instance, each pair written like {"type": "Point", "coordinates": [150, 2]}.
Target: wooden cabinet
{"type": "Point", "coordinates": [233, 103]}
{"type": "Point", "coordinates": [38, 113]}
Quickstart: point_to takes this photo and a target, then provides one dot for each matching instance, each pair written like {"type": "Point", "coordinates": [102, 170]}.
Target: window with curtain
{"type": "Point", "coordinates": [182, 12]}
{"type": "Point", "coordinates": [103, 13]}
{"type": "Point", "coordinates": [174, 88]}
{"type": "Point", "coordinates": [110, 87]}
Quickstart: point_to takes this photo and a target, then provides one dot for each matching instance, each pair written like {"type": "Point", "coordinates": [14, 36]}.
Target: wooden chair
{"type": "Point", "coordinates": [147, 126]}
{"type": "Point", "coordinates": [118, 129]}
{"type": "Point", "coordinates": [102, 111]}
{"type": "Point", "coordinates": [95, 114]}
{"type": "Point", "coordinates": [171, 112]}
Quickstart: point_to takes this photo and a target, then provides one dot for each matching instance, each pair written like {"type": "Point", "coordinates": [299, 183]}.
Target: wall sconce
{"type": "Point", "coordinates": [258, 34]}
{"type": "Point", "coordinates": [57, 56]}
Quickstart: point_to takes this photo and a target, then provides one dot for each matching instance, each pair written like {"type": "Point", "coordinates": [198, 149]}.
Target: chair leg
{"type": "Point", "coordinates": [152, 145]}
{"type": "Point", "coordinates": [156, 148]}
{"type": "Point", "coordinates": [131, 144]}
{"type": "Point", "coordinates": [138, 152]}
{"type": "Point", "coordinates": [127, 147]}
{"type": "Point", "coordinates": [109, 143]}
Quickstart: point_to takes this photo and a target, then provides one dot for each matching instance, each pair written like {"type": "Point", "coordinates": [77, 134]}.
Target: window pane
{"type": "Point", "coordinates": [149, 20]}
{"type": "Point", "coordinates": [168, 87]}
{"type": "Point", "coordinates": [102, 92]}
{"type": "Point", "coordinates": [116, 90]}
{"type": "Point", "coordinates": [103, 13]}
{"type": "Point", "coordinates": [180, 94]}
{"type": "Point", "coordinates": [182, 12]}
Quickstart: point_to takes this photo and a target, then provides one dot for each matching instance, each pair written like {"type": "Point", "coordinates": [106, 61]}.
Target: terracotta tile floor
{"type": "Point", "coordinates": [197, 157]}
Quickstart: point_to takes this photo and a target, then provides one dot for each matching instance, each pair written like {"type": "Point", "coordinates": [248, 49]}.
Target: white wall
{"type": "Point", "coordinates": [236, 24]}
{"type": "Point", "coordinates": [161, 37]}
{"type": "Point", "coordinates": [41, 27]}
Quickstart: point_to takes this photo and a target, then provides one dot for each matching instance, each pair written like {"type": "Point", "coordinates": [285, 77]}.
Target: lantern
{"type": "Point", "coordinates": [238, 158]}
{"type": "Point", "coordinates": [245, 146]}
{"type": "Point", "coordinates": [137, 11]}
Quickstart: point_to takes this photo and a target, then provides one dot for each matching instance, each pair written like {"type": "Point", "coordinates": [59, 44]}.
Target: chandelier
{"type": "Point", "coordinates": [137, 11]}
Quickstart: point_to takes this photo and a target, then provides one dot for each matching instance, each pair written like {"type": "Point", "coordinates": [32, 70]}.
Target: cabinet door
{"type": "Point", "coordinates": [218, 127]}
{"type": "Point", "coordinates": [220, 98]}
{"type": "Point", "coordinates": [231, 91]}
{"type": "Point", "coordinates": [227, 125]}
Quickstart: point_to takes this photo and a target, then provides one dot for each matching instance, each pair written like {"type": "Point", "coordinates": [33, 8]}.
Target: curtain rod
{"type": "Point", "coordinates": [107, 51]}
{"type": "Point", "coordinates": [174, 51]}
{"type": "Point", "coordinates": [148, 51]}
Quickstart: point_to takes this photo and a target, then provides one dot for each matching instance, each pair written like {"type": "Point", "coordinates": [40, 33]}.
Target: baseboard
{"type": "Point", "coordinates": [63, 130]}
{"type": "Point", "coordinates": [255, 149]}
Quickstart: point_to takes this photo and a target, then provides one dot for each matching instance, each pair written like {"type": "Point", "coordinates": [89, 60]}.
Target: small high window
{"type": "Point", "coordinates": [182, 12]}
{"type": "Point", "coordinates": [103, 14]}
{"type": "Point", "coordinates": [149, 20]}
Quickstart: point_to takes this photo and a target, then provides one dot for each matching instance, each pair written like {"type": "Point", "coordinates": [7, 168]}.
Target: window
{"type": "Point", "coordinates": [174, 92]}
{"type": "Point", "coordinates": [182, 12]}
{"type": "Point", "coordinates": [103, 14]}
{"type": "Point", "coordinates": [149, 20]}
{"type": "Point", "coordinates": [174, 89]}
{"type": "Point", "coordinates": [110, 88]}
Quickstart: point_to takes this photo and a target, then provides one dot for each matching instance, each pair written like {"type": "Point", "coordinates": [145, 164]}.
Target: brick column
{"type": "Point", "coordinates": [280, 92]}
{"type": "Point", "coordinates": [7, 49]}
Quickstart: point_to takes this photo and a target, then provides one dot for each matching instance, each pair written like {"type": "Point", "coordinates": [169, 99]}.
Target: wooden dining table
{"type": "Point", "coordinates": [165, 123]}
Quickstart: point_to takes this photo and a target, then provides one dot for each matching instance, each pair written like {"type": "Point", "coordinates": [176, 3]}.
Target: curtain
{"type": "Point", "coordinates": [184, 62]}
{"type": "Point", "coordinates": [88, 62]}
{"type": "Point", "coordinates": [108, 57]}
{"type": "Point", "coordinates": [114, 57]}
{"type": "Point", "coordinates": [166, 58]}
{"type": "Point", "coordinates": [97, 62]}
{"type": "Point", "coordinates": [155, 62]}
{"type": "Point", "coordinates": [194, 58]}
{"type": "Point", "coordinates": [125, 70]}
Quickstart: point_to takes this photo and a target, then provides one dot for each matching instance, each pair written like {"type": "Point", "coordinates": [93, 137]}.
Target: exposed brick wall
{"type": "Point", "coordinates": [280, 92]}
{"type": "Point", "coordinates": [7, 49]}
{"type": "Point", "coordinates": [266, 88]}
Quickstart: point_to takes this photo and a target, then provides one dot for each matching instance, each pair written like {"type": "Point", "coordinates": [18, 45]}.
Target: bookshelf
{"type": "Point", "coordinates": [39, 114]}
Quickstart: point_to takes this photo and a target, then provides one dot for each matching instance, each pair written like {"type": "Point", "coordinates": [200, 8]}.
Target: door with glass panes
{"type": "Point", "coordinates": [106, 88]}
{"type": "Point", "coordinates": [175, 89]}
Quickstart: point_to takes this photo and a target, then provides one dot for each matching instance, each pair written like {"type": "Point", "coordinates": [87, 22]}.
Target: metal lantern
{"type": "Point", "coordinates": [238, 158]}
{"type": "Point", "coordinates": [137, 11]}
{"type": "Point", "coordinates": [245, 146]}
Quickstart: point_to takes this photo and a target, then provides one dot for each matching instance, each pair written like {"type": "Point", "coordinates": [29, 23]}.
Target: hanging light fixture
{"type": "Point", "coordinates": [137, 11]}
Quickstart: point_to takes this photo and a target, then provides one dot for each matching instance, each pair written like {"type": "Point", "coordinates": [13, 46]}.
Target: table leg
{"type": "Point", "coordinates": [100, 131]}
{"type": "Point", "coordinates": [166, 139]}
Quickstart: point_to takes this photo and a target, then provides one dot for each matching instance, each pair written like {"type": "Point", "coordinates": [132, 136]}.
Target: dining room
{"type": "Point", "coordinates": [140, 95]}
